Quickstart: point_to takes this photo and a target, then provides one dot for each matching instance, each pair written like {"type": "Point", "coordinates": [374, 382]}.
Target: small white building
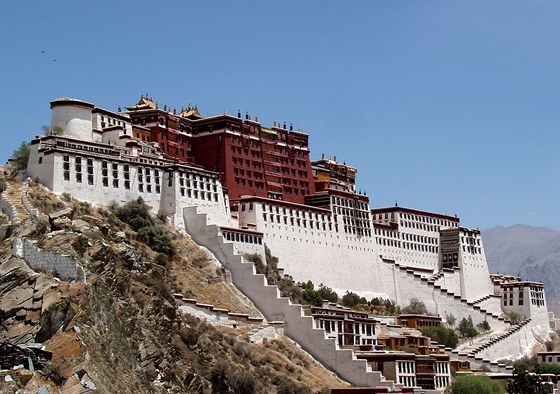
{"type": "Point", "coordinates": [548, 358]}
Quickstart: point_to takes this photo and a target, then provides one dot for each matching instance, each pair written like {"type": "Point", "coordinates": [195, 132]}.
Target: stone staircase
{"type": "Point", "coordinates": [474, 360]}
{"type": "Point", "coordinates": [431, 283]}
{"type": "Point", "coordinates": [435, 277]}
{"type": "Point", "coordinates": [470, 352]}
{"type": "Point", "coordinates": [491, 339]}
{"type": "Point", "coordinates": [487, 297]}
{"type": "Point", "coordinates": [15, 200]}
{"type": "Point", "coordinates": [274, 307]}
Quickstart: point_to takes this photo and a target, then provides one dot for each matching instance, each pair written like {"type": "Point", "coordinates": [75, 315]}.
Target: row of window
{"type": "Point", "coordinates": [356, 222]}
{"type": "Point", "coordinates": [250, 174]}
{"type": "Point", "coordinates": [248, 163]}
{"type": "Point", "coordinates": [441, 381]}
{"type": "Point", "coordinates": [471, 249]}
{"type": "Point", "coordinates": [349, 203]}
{"type": "Point", "coordinates": [428, 219]}
{"type": "Point", "coordinates": [406, 236]}
{"type": "Point", "coordinates": [406, 367]}
{"type": "Point", "coordinates": [357, 231]}
{"type": "Point", "coordinates": [408, 246]}
{"type": "Point", "coordinates": [470, 240]}
{"type": "Point", "coordinates": [419, 226]}
{"type": "Point", "coordinates": [407, 381]}
{"type": "Point", "coordinates": [242, 237]}
{"type": "Point", "coordinates": [351, 212]}
{"type": "Point", "coordinates": [355, 328]}
{"type": "Point", "coordinates": [250, 183]}
{"type": "Point", "coordinates": [295, 212]}
{"type": "Point", "coordinates": [297, 222]}
{"type": "Point", "coordinates": [110, 121]}
{"type": "Point", "coordinates": [148, 180]}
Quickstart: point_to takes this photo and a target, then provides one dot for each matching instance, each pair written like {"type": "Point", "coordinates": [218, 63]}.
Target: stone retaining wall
{"type": "Point", "coordinates": [65, 267]}
{"type": "Point", "coordinates": [7, 207]}
{"type": "Point", "coordinates": [217, 316]}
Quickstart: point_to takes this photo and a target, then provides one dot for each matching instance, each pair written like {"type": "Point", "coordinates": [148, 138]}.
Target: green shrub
{"type": "Point", "coordinates": [286, 386]}
{"type": "Point", "coordinates": [445, 336]}
{"type": "Point", "coordinates": [450, 319]}
{"type": "Point", "coordinates": [547, 368]}
{"type": "Point", "coordinates": [316, 297]}
{"type": "Point", "coordinates": [483, 327]}
{"type": "Point", "coordinates": [466, 328]}
{"type": "Point", "coordinates": [479, 384]}
{"type": "Point", "coordinates": [416, 307]}
{"type": "Point", "coordinates": [351, 299]}
{"type": "Point", "coordinates": [156, 239]}
{"type": "Point", "coordinates": [136, 214]}
{"type": "Point", "coordinates": [161, 259]}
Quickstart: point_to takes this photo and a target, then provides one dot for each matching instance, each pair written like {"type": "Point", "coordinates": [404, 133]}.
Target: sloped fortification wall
{"type": "Point", "coordinates": [407, 285]}
{"type": "Point", "coordinates": [65, 267]}
{"type": "Point", "coordinates": [276, 308]}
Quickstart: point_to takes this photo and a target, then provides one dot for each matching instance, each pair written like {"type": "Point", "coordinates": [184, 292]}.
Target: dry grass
{"type": "Point", "coordinates": [43, 200]}
{"type": "Point", "coordinates": [196, 275]}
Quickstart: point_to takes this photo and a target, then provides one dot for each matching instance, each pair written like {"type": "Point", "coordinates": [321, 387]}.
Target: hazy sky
{"type": "Point", "coordinates": [451, 107]}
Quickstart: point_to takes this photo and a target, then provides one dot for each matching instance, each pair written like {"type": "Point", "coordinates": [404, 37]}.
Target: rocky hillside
{"type": "Point", "coordinates": [532, 252]}
{"type": "Point", "coordinates": [119, 330]}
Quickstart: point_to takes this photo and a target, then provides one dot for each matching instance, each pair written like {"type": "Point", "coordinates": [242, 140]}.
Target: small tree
{"type": "Point", "coordinates": [483, 326]}
{"type": "Point", "coordinates": [351, 299]}
{"type": "Point", "coordinates": [326, 293]}
{"type": "Point", "coordinates": [450, 319]}
{"type": "Point", "coordinates": [466, 328]}
{"type": "Point", "coordinates": [20, 157]}
{"type": "Point", "coordinates": [416, 307]}
{"type": "Point", "coordinates": [309, 294]}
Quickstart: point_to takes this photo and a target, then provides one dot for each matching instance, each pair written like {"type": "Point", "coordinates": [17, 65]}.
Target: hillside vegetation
{"type": "Point", "coordinates": [121, 331]}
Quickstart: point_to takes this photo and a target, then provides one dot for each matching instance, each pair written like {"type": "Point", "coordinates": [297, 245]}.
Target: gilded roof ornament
{"type": "Point", "coordinates": [143, 103]}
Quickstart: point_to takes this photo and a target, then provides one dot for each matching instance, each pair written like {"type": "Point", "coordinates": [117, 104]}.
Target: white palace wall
{"type": "Point", "coordinates": [475, 277]}
{"type": "Point", "coordinates": [101, 175]}
{"type": "Point", "coordinates": [450, 280]}
{"type": "Point", "coordinates": [74, 119]}
{"type": "Point", "coordinates": [334, 259]}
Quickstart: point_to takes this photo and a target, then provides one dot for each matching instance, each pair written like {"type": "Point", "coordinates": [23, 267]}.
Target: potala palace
{"type": "Point", "coordinates": [235, 185]}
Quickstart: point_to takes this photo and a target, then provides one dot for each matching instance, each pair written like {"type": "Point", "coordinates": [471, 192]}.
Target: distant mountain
{"type": "Point", "coordinates": [531, 252]}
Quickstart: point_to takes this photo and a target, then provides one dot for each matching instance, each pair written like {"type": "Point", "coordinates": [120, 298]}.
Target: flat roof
{"type": "Point", "coordinates": [414, 211]}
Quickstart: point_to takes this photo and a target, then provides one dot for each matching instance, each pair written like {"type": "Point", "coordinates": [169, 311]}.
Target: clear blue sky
{"type": "Point", "coordinates": [452, 107]}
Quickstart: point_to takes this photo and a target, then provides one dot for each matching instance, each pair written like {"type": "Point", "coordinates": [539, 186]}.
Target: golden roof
{"type": "Point", "coordinates": [191, 113]}
{"type": "Point", "coordinates": [143, 103]}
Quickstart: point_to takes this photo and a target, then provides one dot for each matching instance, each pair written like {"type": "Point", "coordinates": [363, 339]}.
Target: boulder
{"type": "Point", "coordinates": [67, 212]}
{"type": "Point", "coordinates": [61, 223]}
